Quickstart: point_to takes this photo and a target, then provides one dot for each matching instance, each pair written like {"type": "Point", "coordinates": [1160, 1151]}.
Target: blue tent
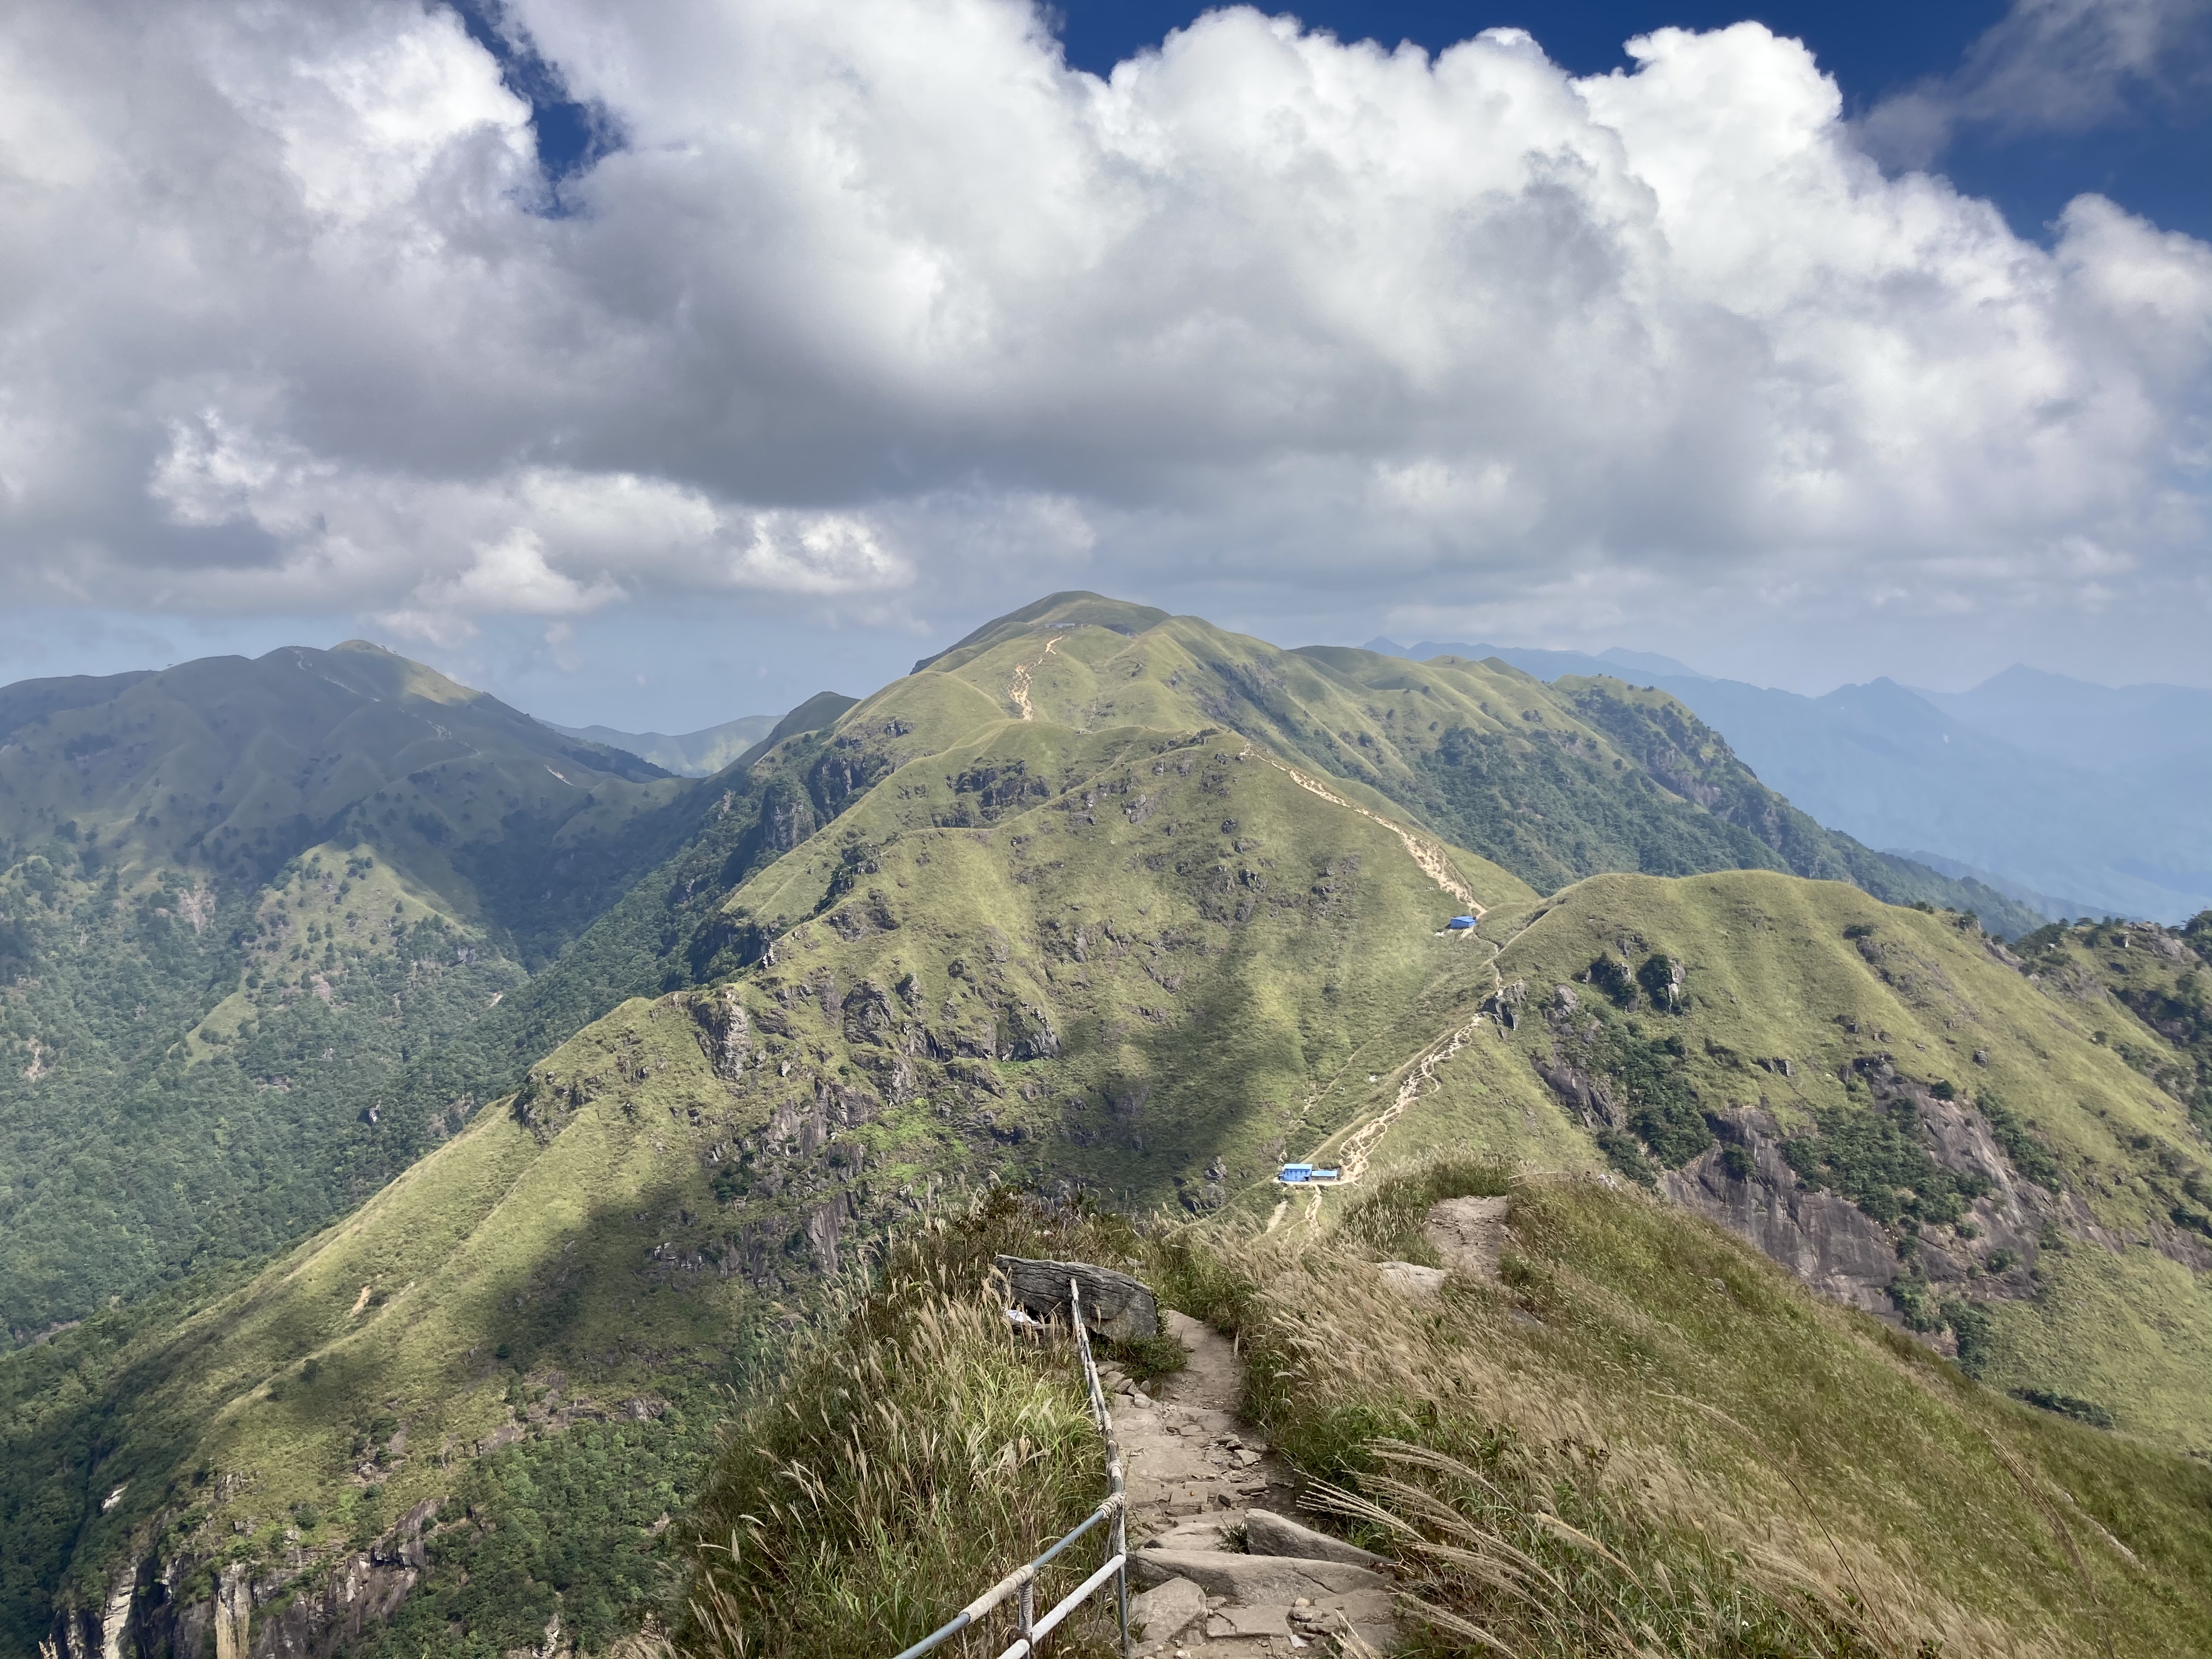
{"type": "Point", "coordinates": [1460, 923]}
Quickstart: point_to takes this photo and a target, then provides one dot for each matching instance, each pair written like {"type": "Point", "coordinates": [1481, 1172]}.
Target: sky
{"type": "Point", "coordinates": [658, 363]}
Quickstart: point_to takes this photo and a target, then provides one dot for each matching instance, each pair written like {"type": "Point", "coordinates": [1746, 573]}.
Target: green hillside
{"type": "Point", "coordinates": [1554, 783]}
{"type": "Point", "coordinates": [265, 930]}
{"type": "Point", "coordinates": [1100, 901]}
{"type": "Point", "coordinates": [1881, 1097]}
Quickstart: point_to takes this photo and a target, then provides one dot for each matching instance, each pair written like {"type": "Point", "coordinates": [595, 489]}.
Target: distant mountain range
{"type": "Point", "coordinates": [2074, 799]}
{"type": "Point", "coordinates": [690, 755]}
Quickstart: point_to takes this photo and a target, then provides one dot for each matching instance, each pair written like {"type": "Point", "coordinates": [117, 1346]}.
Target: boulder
{"type": "Point", "coordinates": [1113, 1304]}
{"type": "Point", "coordinates": [1254, 1580]}
{"type": "Point", "coordinates": [1268, 1534]}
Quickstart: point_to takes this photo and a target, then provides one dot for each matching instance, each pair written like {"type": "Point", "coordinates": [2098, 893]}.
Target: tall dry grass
{"type": "Point", "coordinates": [916, 1452]}
{"type": "Point", "coordinates": [1546, 1488]}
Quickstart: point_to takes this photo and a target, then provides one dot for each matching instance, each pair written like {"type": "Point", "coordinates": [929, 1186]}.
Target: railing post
{"type": "Point", "coordinates": [1118, 1543]}
{"type": "Point", "coordinates": [1025, 1621]}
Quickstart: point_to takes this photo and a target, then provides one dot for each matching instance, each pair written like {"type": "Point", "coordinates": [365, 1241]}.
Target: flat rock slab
{"type": "Point", "coordinates": [1248, 1621]}
{"type": "Point", "coordinates": [1469, 1234]}
{"type": "Point", "coordinates": [1215, 1532]}
{"type": "Point", "coordinates": [1113, 1304]}
{"type": "Point", "coordinates": [1253, 1580]}
{"type": "Point", "coordinates": [1163, 1613]}
{"type": "Point", "coordinates": [1268, 1534]}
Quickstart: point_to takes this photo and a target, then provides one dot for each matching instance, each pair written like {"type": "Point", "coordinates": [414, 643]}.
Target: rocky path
{"type": "Point", "coordinates": [1434, 862]}
{"type": "Point", "coordinates": [1222, 1569]}
{"type": "Point", "coordinates": [1018, 688]}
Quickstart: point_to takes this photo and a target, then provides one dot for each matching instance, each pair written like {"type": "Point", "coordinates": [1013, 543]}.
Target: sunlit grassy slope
{"type": "Point", "coordinates": [1181, 923]}
{"type": "Point", "coordinates": [2114, 1311]}
{"type": "Point", "coordinates": [1748, 1456]}
{"type": "Point", "coordinates": [1552, 781]}
{"type": "Point", "coordinates": [1134, 983]}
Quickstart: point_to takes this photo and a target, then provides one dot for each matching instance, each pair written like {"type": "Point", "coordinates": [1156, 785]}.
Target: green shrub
{"type": "Point", "coordinates": [2029, 1156]}
{"type": "Point", "coordinates": [2065, 1405]}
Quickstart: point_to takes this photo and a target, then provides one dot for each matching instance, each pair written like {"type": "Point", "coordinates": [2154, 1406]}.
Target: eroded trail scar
{"type": "Point", "coordinates": [1360, 1144]}
{"type": "Point", "coordinates": [1018, 687]}
{"type": "Point", "coordinates": [1427, 854]}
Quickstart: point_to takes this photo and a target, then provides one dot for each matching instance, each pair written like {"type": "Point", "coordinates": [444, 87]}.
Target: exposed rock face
{"type": "Point", "coordinates": [1469, 1234]}
{"type": "Point", "coordinates": [1834, 1247]}
{"type": "Point", "coordinates": [1411, 1278]}
{"type": "Point", "coordinates": [1268, 1534]}
{"type": "Point", "coordinates": [1823, 1237]}
{"type": "Point", "coordinates": [724, 1031]}
{"type": "Point", "coordinates": [142, 1619]}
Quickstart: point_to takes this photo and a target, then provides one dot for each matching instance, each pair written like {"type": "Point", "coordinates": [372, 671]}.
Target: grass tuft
{"type": "Point", "coordinates": [911, 1459]}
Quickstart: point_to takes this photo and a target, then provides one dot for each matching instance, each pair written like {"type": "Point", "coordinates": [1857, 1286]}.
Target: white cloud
{"type": "Point", "coordinates": [882, 309]}
{"type": "Point", "coordinates": [2053, 66]}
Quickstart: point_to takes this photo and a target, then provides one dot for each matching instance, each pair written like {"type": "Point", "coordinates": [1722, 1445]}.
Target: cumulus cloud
{"type": "Point", "coordinates": [880, 306]}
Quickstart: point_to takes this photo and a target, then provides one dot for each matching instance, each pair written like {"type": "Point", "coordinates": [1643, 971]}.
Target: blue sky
{"type": "Point", "coordinates": [659, 364]}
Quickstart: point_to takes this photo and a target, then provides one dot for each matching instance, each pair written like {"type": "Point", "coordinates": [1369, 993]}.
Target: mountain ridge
{"type": "Point", "coordinates": [2100, 808]}
{"type": "Point", "coordinates": [1135, 915]}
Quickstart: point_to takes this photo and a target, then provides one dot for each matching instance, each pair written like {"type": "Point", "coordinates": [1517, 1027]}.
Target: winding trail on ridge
{"type": "Point", "coordinates": [1429, 856]}
{"type": "Point", "coordinates": [1360, 1144]}
{"type": "Point", "coordinates": [1018, 687]}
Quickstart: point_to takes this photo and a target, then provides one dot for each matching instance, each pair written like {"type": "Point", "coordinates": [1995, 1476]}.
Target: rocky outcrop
{"type": "Point", "coordinates": [317, 1605]}
{"type": "Point", "coordinates": [1823, 1237]}
{"type": "Point", "coordinates": [1747, 1185]}
{"type": "Point", "coordinates": [1113, 1304]}
{"type": "Point", "coordinates": [724, 1031]}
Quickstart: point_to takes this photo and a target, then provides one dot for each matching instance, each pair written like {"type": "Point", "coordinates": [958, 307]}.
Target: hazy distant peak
{"type": "Point", "coordinates": [688, 754]}
{"type": "Point", "coordinates": [1651, 662]}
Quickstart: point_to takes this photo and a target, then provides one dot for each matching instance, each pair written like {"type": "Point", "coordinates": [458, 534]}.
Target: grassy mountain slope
{"type": "Point", "coordinates": [236, 767]}
{"type": "Point", "coordinates": [1876, 1095]}
{"type": "Point", "coordinates": [1120, 943]}
{"type": "Point", "coordinates": [1645, 1439]}
{"type": "Point", "coordinates": [263, 933]}
{"type": "Point", "coordinates": [673, 1176]}
{"type": "Point", "coordinates": [1554, 783]}
{"type": "Point", "coordinates": [2036, 784]}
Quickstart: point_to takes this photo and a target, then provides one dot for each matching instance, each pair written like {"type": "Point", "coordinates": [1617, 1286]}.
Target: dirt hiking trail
{"type": "Point", "coordinates": [1429, 855]}
{"type": "Point", "coordinates": [1018, 687]}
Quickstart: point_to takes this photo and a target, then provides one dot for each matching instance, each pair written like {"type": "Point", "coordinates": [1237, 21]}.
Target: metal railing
{"type": "Point", "coordinates": [1030, 1631]}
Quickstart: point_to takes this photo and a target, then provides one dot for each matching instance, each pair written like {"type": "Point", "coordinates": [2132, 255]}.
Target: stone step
{"type": "Point", "coordinates": [1178, 1616]}
{"type": "Point", "coordinates": [1253, 1580]}
{"type": "Point", "coordinates": [1268, 1534]}
{"type": "Point", "coordinates": [1162, 1613]}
